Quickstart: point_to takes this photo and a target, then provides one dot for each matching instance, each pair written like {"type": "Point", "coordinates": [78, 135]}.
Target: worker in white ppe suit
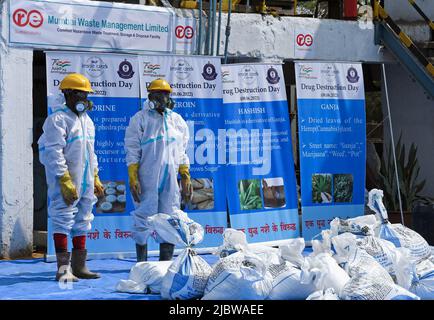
{"type": "Point", "coordinates": [155, 142]}
{"type": "Point", "coordinates": [66, 149]}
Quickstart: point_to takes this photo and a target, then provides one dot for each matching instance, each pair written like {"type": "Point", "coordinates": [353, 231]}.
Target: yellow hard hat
{"type": "Point", "coordinates": [159, 85]}
{"type": "Point", "coordinates": [76, 81]}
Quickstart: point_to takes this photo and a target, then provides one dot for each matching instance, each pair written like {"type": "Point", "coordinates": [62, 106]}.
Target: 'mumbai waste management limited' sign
{"type": "Point", "coordinates": [90, 24]}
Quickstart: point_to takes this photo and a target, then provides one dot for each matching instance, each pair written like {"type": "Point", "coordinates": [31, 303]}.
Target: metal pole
{"type": "Point", "coordinates": [199, 37]}
{"type": "Point", "coordinates": [393, 144]}
{"type": "Point", "coordinates": [295, 7]}
{"type": "Point", "coordinates": [228, 31]}
{"type": "Point", "coordinates": [208, 33]}
{"type": "Point", "coordinates": [219, 26]}
{"type": "Point", "coordinates": [214, 15]}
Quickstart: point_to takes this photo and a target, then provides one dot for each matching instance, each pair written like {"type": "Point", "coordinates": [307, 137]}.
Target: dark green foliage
{"type": "Point", "coordinates": [250, 195]}
{"type": "Point", "coordinates": [321, 183]}
{"type": "Point", "coordinates": [408, 173]}
{"type": "Point", "coordinates": [343, 187]}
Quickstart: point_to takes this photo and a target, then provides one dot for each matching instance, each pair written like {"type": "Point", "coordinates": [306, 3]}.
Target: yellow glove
{"type": "Point", "coordinates": [186, 186]}
{"type": "Point", "coordinates": [98, 186]}
{"type": "Point", "coordinates": [133, 176]}
{"type": "Point", "coordinates": [67, 188]}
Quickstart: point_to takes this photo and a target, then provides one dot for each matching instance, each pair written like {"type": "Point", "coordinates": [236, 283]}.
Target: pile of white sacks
{"type": "Point", "coordinates": [365, 258]}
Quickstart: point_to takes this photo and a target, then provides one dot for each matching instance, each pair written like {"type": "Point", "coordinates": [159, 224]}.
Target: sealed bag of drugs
{"type": "Point", "coordinates": [384, 252]}
{"type": "Point", "coordinates": [321, 243]}
{"type": "Point", "coordinates": [143, 276]}
{"type": "Point", "coordinates": [285, 275]}
{"type": "Point", "coordinates": [188, 274]}
{"type": "Point", "coordinates": [323, 272]}
{"type": "Point", "coordinates": [235, 241]}
{"type": "Point", "coordinates": [423, 283]}
{"type": "Point", "coordinates": [186, 278]}
{"type": "Point", "coordinates": [292, 251]}
{"type": "Point", "coordinates": [398, 234]}
{"type": "Point", "coordinates": [361, 226]}
{"type": "Point", "coordinates": [368, 279]}
{"type": "Point", "coordinates": [176, 228]}
{"type": "Point", "coordinates": [286, 282]}
{"type": "Point", "coordinates": [239, 276]}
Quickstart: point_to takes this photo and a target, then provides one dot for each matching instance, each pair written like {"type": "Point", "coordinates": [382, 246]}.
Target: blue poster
{"type": "Point", "coordinates": [332, 135]}
{"type": "Point", "coordinates": [196, 83]}
{"type": "Point", "coordinates": [260, 177]}
{"type": "Point", "coordinates": [115, 81]}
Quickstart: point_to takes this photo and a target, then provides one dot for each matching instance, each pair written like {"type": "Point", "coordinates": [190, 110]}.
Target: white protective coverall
{"type": "Point", "coordinates": [158, 143]}
{"type": "Point", "coordinates": [68, 144]}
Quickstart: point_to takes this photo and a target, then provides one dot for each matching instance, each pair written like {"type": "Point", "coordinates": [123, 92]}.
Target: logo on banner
{"type": "Point", "coordinates": [272, 76]}
{"type": "Point", "coordinates": [125, 70]}
{"type": "Point", "coordinates": [226, 77]}
{"type": "Point", "coordinates": [182, 32]}
{"type": "Point", "coordinates": [352, 75]}
{"type": "Point", "coordinates": [182, 69]}
{"type": "Point", "coordinates": [304, 40]}
{"type": "Point", "coordinates": [330, 73]}
{"type": "Point", "coordinates": [95, 67]}
{"type": "Point", "coordinates": [209, 73]}
{"type": "Point", "coordinates": [60, 66]}
{"type": "Point", "coordinates": [306, 72]}
{"type": "Point", "coordinates": [248, 74]}
{"type": "Point", "coordinates": [33, 18]}
{"type": "Point", "coordinates": [150, 69]}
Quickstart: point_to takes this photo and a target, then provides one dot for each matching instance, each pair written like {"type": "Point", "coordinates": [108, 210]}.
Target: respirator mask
{"type": "Point", "coordinates": [160, 101]}
{"type": "Point", "coordinates": [78, 101]}
{"type": "Point", "coordinates": [82, 106]}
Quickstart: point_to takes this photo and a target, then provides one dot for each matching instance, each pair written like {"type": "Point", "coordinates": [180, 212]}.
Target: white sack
{"type": "Point", "coordinates": [398, 234]}
{"type": "Point", "coordinates": [383, 251]}
{"type": "Point", "coordinates": [293, 251]}
{"type": "Point", "coordinates": [321, 243]}
{"type": "Point", "coordinates": [239, 276]}
{"type": "Point", "coordinates": [369, 280]}
{"type": "Point", "coordinates": [176, 228]}
{"type": "Point", "coordinates": [423, 285]}
{"type": "Point", "coordinates": [186, 278]}
{"type": "Point", "coordinates": [323, 272]}
{"type": "Point", "coordinates": [362, 225]}
{"type": "Point", "coordinates": [144, 275]}
{"type": "Point", "coordinates": [236, 241]}
{"type": "Point", "coordinates": [287, 284]}
{"type": "Point", "coordinates": [188, 274]}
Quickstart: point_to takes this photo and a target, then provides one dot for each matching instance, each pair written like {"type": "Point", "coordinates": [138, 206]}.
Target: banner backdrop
{"type": "Point", "coordinates": [196, 83]}
{"type": "Point", "coordinates": [115, 80]}
{"type": "Point", "coordinates": [332, 135]}
{"type": "Point", "coordinates": [260, 179]}
{"type": "Point", "coordinates": [90, 24]}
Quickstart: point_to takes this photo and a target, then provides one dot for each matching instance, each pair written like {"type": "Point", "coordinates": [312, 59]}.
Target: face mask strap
{"type": "Point", "coordinates": [171, 104]}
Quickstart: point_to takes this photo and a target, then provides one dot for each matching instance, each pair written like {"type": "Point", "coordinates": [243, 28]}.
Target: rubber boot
{"type": "Point", "coordinates": [64, 273]}
{"type": "Point", "coordinates": [78, 264]}
{"type": "Point", "coordinates": [166, 251]}
{"type": "Point", "coordinates": [142, 252]}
